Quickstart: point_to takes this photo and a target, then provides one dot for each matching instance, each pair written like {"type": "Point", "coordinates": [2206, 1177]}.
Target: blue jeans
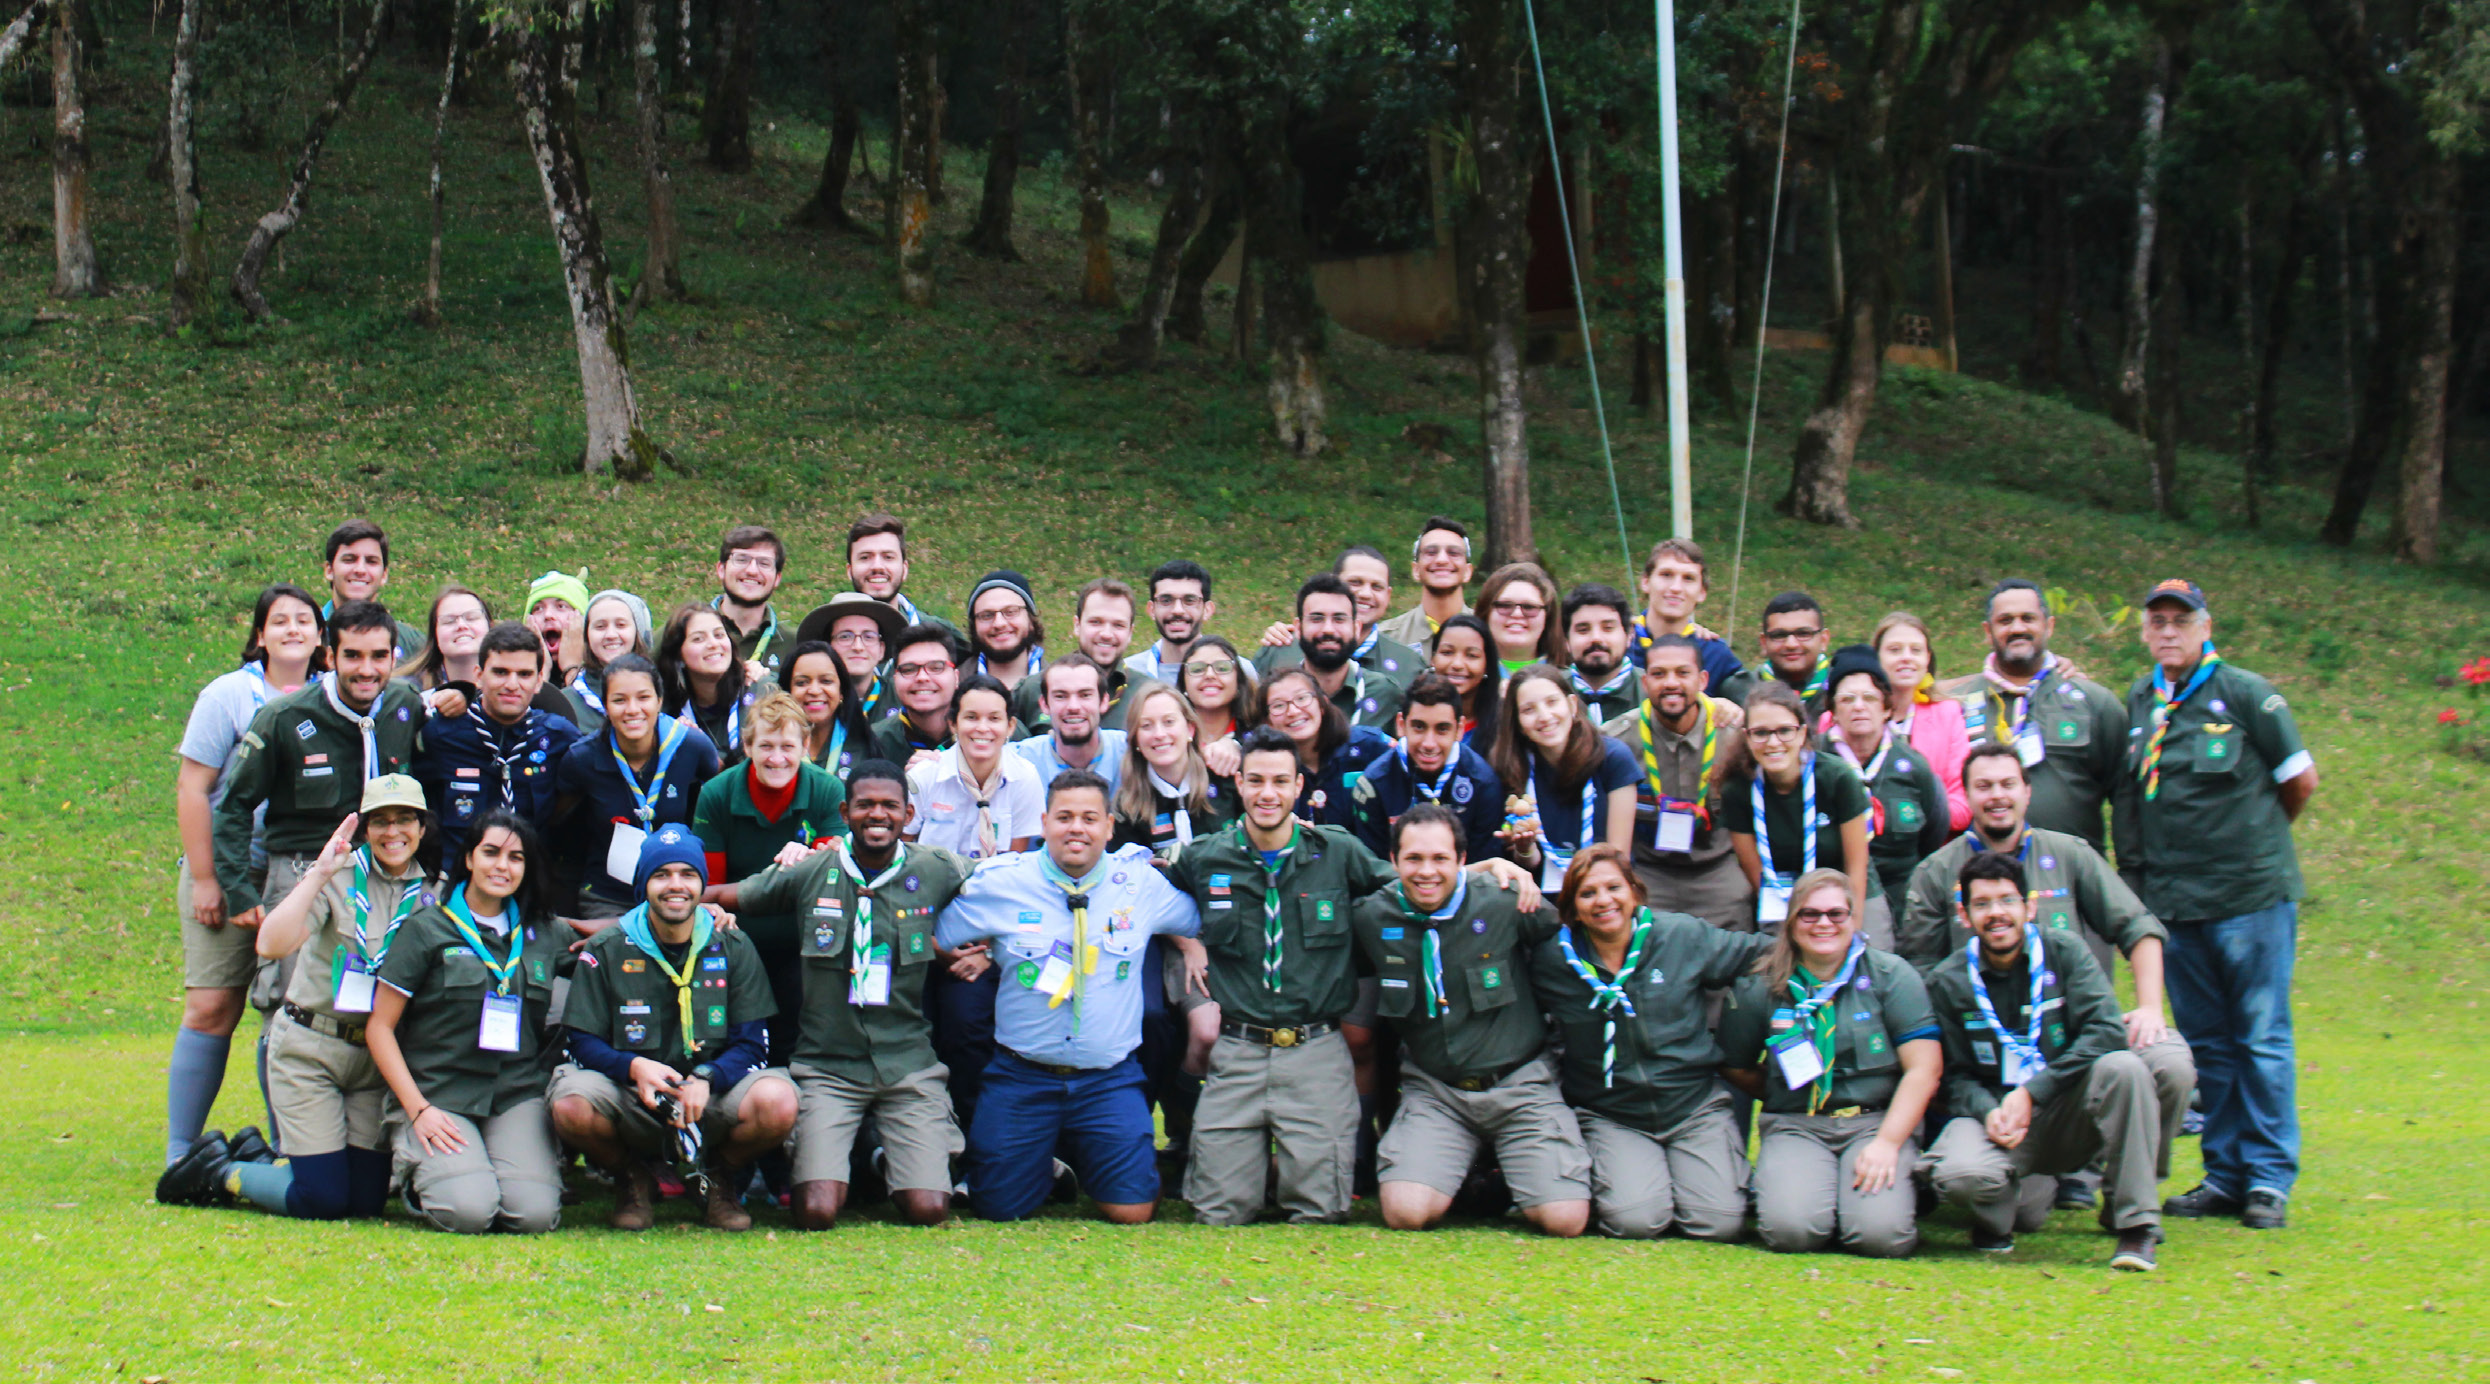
{"type": "Point", "coordinates": [2230, 986]}
{"type": "Point", "coordinates": [961, 1013]}
{"type": "Point", "coordinates": [1101, 1117]}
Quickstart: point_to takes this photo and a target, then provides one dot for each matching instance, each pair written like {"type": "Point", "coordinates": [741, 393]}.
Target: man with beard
{"type": "Point", "coordinates": [1181, 607]}
{"type": "Point", "coordinates": [1440, 563]}
{"type": "Point", "coordinates": [1076, 694]}
{"type": "Point", "coordinates": [1369, 579]}
{"type": "Point", "coordinates": [1597, 621]}
{"type": "Point", "coordinates": [751, 564]}
{"type": "Point", "coordinates": [1004, 633]}
{"type": "Point", "coordinates": [877, 565]}
{"type": "Point", "coordinates": [2069, 731]}
{"type": "Point", "coordinates": [1327, 635]}
{"type": "Point", "coordinates": [1103, 611]}
{"type": "Point", "coordinates": [925, 667]}
{"type": "Point", "coordinates": [499, 752]}
{"type": "Point", "coordinates": [1684, 742]}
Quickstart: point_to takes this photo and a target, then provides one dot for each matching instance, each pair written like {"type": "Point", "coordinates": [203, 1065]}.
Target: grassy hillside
{"type": "Point", "coordinates": [152, 484]}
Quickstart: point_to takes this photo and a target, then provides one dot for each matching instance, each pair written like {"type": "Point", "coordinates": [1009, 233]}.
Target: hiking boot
{"type": "Point", "coordinates": [2264, 1211]}
{"type": "Point", "coordinates": [248, 1147]}
{"type": "Point", "coordinates": [199, 1178]}
{"type": "Point", "coordinates": [1992, 1241]}
{"type": "Point", "coordinates": [2074, 1194]}
{"type": "Point", "coordinates": [635, 1198]}
{"type": "Point", "coordinates": [166, 1183]}
{"type": "Point", "coordinates": [2135, 1250]}
{"type": "Point", "coordinates": [724, 1210]}
{"type": "Point", "coordinates": [2200, 1201]}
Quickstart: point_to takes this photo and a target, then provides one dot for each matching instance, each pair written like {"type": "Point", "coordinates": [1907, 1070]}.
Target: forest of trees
{"type": "Point", "coordinates": [2161, 172]}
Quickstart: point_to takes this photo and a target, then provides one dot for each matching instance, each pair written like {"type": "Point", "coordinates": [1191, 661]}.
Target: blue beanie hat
{"type": "Point", "coordinates": [671, 844]}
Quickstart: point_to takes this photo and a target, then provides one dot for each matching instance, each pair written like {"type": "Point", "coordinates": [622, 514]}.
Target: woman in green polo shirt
{"type": "Point", "coordinates": [1838, 1042]}
{"type": "Point", "coordinates": [458, 1030]}
{"type": "Point", "coordinates": [775, 807]}
{"type": "Point", "coordinates": [1813, 809]}
{"type": "Point", "coordinates": [1910, 815]}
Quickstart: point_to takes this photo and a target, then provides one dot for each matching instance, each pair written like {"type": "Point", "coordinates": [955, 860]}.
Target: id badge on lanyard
{"type": "Point", "coordinates": [1794, 1055]}
{"type": "Point", "coordinates": [1675, 830]}
{"type": "Point", "coordinates": [1772, 903]}
{"type": "Point", "coordinates": [353, 989]}
{"type": "Point", "coordinates": [2012, 1068]}
{"type": "Point", "coordinates": [873, 983]}
{"type": "Point", "coordinates": [622, 854]}
{"type": "Point", "coordinates": [498, 1031]}
{"type": "Point", "coordinates": [2029, 748]}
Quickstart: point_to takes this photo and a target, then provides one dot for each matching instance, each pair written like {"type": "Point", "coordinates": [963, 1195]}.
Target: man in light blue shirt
{"type": "Point", "coordinates": [1068, 925]}
{"type": "Point", "coordinates": [1073, 692]}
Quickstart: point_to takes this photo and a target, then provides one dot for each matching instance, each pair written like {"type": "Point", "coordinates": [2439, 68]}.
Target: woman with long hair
{"type": "Point", "coordinates": [1931, 724]}
{"type": "Point", "coordinates": [453, 638]}
{"type": "Point", "coordinates": [1520, 605]}
{"type": "Point", "coordinates": [819, 687]}
{"type": "Point", "coordinates": [703, 679]}
{"type": "Point", "coordinates": [1218, 685]}
{"type": "Point", "coordinates": [1790, 811]}
{"type": "Point", "coordinates": [1568, 785]}
{"type": "Point", "coordinates": [1330, 751]}
{"type": "Point", "coordinates": [616, 624]}
{"type": "Point", "coordinates": [1464, 651]}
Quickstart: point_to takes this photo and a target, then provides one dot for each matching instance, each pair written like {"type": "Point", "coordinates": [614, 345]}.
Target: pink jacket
{"type": "Point", "coordinates": [1938, 733]}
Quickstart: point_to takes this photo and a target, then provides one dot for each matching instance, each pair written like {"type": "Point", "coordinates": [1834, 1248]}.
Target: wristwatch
{"type": "Point", "coordinates": [706, 1071]}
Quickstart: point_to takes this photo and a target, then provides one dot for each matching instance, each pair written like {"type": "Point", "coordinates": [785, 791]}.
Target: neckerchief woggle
{"type": "Point", "coordinates": [1703, 763]}
{"type": "Point", "coordinates": [1998, 688]}
{"type": "Point", "coordinates": [2165, 706]}
{"type": "Point", "coordinates": [860, 948]}
{"type": "Point", "coordinates": [464, 919]}
{"type": "Point", "coordinates": [1432, 792]}
{"type": "Point", "coordinates": [1609, 996]}
{"type": "Point", "coordinates": [1084, 951]}
{"type": "Point", "coordinates": [362, 722]}
{"type": "Point", "coordinates": [409, 898]}
{"type": "Point", "coordinates": [2024, 1046]}
{"type": "Point", "coordinates": [487, 730]}
{"type": "Point", "coordinates": [1818, 1011]}
{"type": "Point", "coordinates": [670, 737]}
{"type": "Point", "coordinates": [637, 930]}
{"type": "Point", "coordinates": [1431, 946]}
{"type": "Point", "coordinates": [1774, 876]}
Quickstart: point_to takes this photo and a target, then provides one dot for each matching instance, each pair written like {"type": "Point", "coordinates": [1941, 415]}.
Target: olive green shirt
{"type": "Point", "coordinates": [1488, 1022]}
{"type": "Point", "coordinates": [2083, 732]}
{"type": "Point", "coordinates": [769, 642]}
{"type": "Point", "coordinates": [332, 936]}
{"type": "Point", "coordinates": [1320, 880]}
{"type": "Point", "coordinates": [1917, 818]}
{"type": "Point", "coordinates": [305, 761]}
{"type": "Point", "coordinates": [1665, 1054]}
{"type": "Point", "coordinates": [2215, 843]}
{"type": "Point", "coordinates": [878, 1044]}
{"type": "Point", "coordinates": [445, 983]}
{"type": "Point", "coordinates": [1682, 780]}
{"type": "Point", "coordinates": [1371, 694]}
{"type": "Point", "coordinates": [1840, 798]}
{"type": "Point", "coordinates": [895, 739]}
{"type": "Point", "coordinates": [2071, 886]}
{"type": "Point", "coordinates": [1885, 1006]}
{"type": "Point", "coordinates": [729, 825]}
{"type": "Point", "coordinates": [621, 995]}
{"type": "Point", "coordinates": [2082, 1026]}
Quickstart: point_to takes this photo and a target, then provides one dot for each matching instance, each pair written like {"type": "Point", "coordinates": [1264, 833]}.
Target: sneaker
{"type": "Point", "coordinates": [2264, 1211]}
{"type": "Point", "coordinates": [2201, 1200]}
{"type": "Point", "coordinates": [2135, 1250]}
{"type": "Point", "coordinates": [1991, 1241]}
{"type": "Point", "coordinates": [2191, 1124]}
{"type": "Point", "coordinates": [2074, 1194]}
{"type": "Point", "coordinates": [247, 1146]}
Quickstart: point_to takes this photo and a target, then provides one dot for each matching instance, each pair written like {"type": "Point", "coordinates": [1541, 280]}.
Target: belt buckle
{"type": "Point", "coordinates": [1470, 1083]}
{"type": "Point", "coordinates": [1286, 1037]}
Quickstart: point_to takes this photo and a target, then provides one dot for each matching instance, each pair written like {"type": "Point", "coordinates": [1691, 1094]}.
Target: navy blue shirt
{"type": "Point", "coordinates": [1719, 663]}
{"type": "Point", "coordinates": [592, 776]}
{"type": "Point", "coordinates": [1391, 785]}
{"type": "Point", "coordinates": [471, 764]}
{"type": "Point", "coordinates": [1325, 800]}
{"type": "Point", "coordinates": [1560, 809]}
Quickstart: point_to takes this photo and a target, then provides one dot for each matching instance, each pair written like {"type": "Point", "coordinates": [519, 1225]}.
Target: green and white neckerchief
{"type": "Point", "coordinates": [1271, 901]}
{"type": "Point", "coordinates": [410, 897]}
{"type": "Point", "coordinates": [1609, 996]}
{"type": "Point", "coordinates": [1817, 1010]}
{"type": "Point", "coordinates": [1430, 945]}
{"type": "Point", "coordinates": [860, 948]}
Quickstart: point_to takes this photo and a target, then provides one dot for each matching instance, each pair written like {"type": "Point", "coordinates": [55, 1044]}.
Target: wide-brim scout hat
{"type": "Point", "coordinates": [885, 617]}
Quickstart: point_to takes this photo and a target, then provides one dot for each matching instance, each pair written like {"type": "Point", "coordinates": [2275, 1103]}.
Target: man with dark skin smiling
{"type": "Point", "coordinates": [2070, 731]}
{"type": "Point", "coordinates": [865, 1049]}
{"type": "Point", "coordinates": [925, 668]}
{"type": "Point", "coordinates": [1684, 742]}
{"type": "Point", "coordinates": [2037, 1073]}
{"type": "Point", "coordinates": [751, 564]}
{"type": "Point", "coordinates": [1796, 638]}
{"type": "Point", "coordinates": [500, 753]}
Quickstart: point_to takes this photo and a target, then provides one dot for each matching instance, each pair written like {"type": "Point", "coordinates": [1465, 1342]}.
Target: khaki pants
{"type": "Point", "coordinates": [508, 1177]}
{"type": "Point", "coordinates": [270, 982]}
{"type": "Point", "coordinates": [920, 1134]}
{"type": "Point", "coordinates": [1692, 1177]}
{"type": "Point", "coordinates": [213, 958]}
{"type": "Point", "coordinates": [2120, 1109]}
{"type": "Point", "coordinates": [1439, 1129]}
{"type": "Point", "coordinates": [637, 1125]}
{"type": "Point", "coordinates": [1716, 891]}
{"type": "Point", "coordinates": [1304, 1100]}
{"type": "Point", "coordinates": [324, 1092]}
{"type": "Point", "coordinates": [1803, 1197]}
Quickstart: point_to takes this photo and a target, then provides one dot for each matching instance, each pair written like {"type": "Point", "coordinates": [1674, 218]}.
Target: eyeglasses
{"type": "Point", "coordinates": [1517, 607]}
{"type": "Point", "coordinates": [751, 562]}
{"type": "Point", "coordinates": [1177, 602]}
{"type": "Point", "coordinates": [1212, 668]}
{"type": "Point", "coordinates": [1791, 636]}
{"type": "Point", "coordinates": [1001, 613]}
{"type": "Point", "coordinates": [1294, 704]}
{"type": "Point", "coordinates": [931, 669]}
{"type": "Point", "coordinates": [857, 639]}
{"type": "Point", "coordinates": [1774, 732]}
{"type": "Point", "coordinates": [1821, 915]}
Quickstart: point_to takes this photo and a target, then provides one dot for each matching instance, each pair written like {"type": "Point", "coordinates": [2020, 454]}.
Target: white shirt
{"type": "Point", "coordinates": [942, 806]}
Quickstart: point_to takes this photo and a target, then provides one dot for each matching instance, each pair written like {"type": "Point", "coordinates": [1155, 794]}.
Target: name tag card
{"type": "Point", "coordinates": [1794, 1053]}
{"type": "Point", "coordinates": [499, 1030]}
{"type": "Point", "coordinates": [2012, 1067]}
{"type": "Point", "coordinates": [873, 984]}
{"type": "Point", "coordinates": [1773, 903]}
{"type": "Point", "coordinates": [622, 854]}
{"type": "Point", "coordinates": [1055, 977]}
{"type": "Point", "coordinates": [354, 985]}
{"type": "Point", "coordinates": [1675, 830]}
{"type": "Point", "coordinates": [2029, 748]}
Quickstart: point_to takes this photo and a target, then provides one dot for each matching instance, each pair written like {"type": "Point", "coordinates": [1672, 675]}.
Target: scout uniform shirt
{"type": "Point", "coordinates": [591, 777]}
{"type": "Point", "coordinates": [2082, 731]}
{"type": "Point", "coordinates": [1363, 696]}
{"type": "Point", "coordinates": [2071, 888]}
{"type": "Point", "coordinates": [2212, 841]}
{"type": "Point", "coordinates": [1321, 875]}
{"type": "Point", "coordinates": [446, 984]}
{"type": "Point", "coordinates": [1912, 817]}
{"type": "Point", "coordinates": [767, 643]}
{"type": "Point", "coordinates": [1884, 1006]}
{"type": "Point", "coordinates": [850, 1028]}
{"type": "Point", "coordinates": [621, 996]}
{"type": "Point", "coordinates": [1467, 784]}
{"type": "Point", "coordinates": [730, 826]}
{"type": "Point", "coordinates": [1328, 797]}
{"type": "Point", "coordinates": [1645, 1058]}
{"type": "Point", "coordinates": [1071, 985]}
{"type": "Point", "coordinates": [2080, 1024]}
{"type": "Point", "coordinates": [1456, 984]}
{"type": "Point", "coordinates": [1839, 798]}
{"type": "Point", "coordinates": [471, 764]}
{"type": "Point", "coordinates": [895, 738]}
{"type": "Point", "coordinates": [723, 723]}
{"type": "Point", "coordinates": [303, 757]}
{"type": "Point", "coordinates": [348, 942]}
{"type": "Point", "coordinates": [1412, 630]}
{"type": "Point", "coordinates": [1675, 772]}
{"type": "Point", "coordinates": [1173, 822]}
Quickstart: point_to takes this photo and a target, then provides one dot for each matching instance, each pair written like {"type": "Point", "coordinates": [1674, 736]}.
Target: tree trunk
{"type": "Point", "coordinates": [1202, 255]}
{"type": "Point", "coordinates": [2278, 324]}
{"type": "Point", "coordinates": [2131, 408]}
{"type": "Point", "coordinates": [2430, 319]}
{"type": "Point", "coordinates": [683, 46]}
{"type": "Point", "coordinates": [1833, 268]}
{"type": "Point", "coordinates": [428, 312]}
{"type": "Point", "coordinates": [1137, 345]}
{"type": "Point", "coordinates": [911, 202]}
{"type": "Point", "coordinates": [1085, 74]}
{"type": "Point", "coordinates": [21, 30]}
{"type": "Point", "coordinates": [275, 225]}
{"type": "Point", "coordinates": [2162, 387]}
{"type": "Point", "coordinates": [991, 236]}
{"type": "Point", "coordinates": [1284, 263]}
{"type": "Point", "coordinates": [2248, 354]}
{"type": "Point", "coordinates": [76, 274]}
{"type": "Point", "coordinates": [726, 116]}
{"type": "Point", "coordinates": [827, 207]}
{"type": "Point", "coordinates": [1820, 468]}
{"type": "Point", "coordinates": [616, 444]}
{"type": "Point", "coordinates": [194, 302]}
{"type": "Point", "coordinates": [663, 275]}
{"type": "Point", "coordinates": [1498, 234]}
{"type": "Point", "coordinates": [2043, 356]}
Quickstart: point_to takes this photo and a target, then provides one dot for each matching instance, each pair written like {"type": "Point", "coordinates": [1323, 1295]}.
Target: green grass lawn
{"type": "Point", "coordinates": [152, 485]}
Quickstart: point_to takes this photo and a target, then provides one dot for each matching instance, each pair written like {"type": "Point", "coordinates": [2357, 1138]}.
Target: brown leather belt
{"type": "Point", "coordinates": [1492, 1080]}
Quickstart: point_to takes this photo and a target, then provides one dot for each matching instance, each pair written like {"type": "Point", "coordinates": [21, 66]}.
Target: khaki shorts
{"type": "Point", "coordinates": [1439, 1130]}
{"type": "Point", "coordinates": [635, 1124]}
{"type": "Point", "coordinates": [1171, 976]}
{"type": "Point", "coordinates": [324, 1092]}
{"type": "Point", "coordinates": [920, 1136]}
{"type": "Point", "coordinates": [213, 958]}
{"type": "Point", "coordinates": [272, 979]}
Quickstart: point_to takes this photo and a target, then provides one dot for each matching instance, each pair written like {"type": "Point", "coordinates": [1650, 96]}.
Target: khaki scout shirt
{"type": "Point", "coordinates": [1681, 759]}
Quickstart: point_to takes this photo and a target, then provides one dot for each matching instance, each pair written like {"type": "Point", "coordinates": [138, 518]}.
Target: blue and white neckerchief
{"type": "Point", "coordinates": [587, 691]}
{"type": "Point", "coordinates": [1374, 636]}
{"type": "Point", "coordinates": [1774, 875]}
{"type": "Point", "coordinates": [670, 737]}
{"type": "Point", "coordinates": [506, 760]}
{"type": "Point", "coordinates": [1609, 996]}
{"type": "Point", "coordinates": [907, 609]}
{"type": "Point", "coordinates": [1036, 661]}
{"type": "Point", "coordinates": [1555, 861]}
{"type": "Point", "coordinates": [2025, 1046]}
{"type": "Point", "coordinates": [260, 691]}
{"type": "Point", "coordinates": [1582, 685]}
{"type": "Point", "coordinates": [1432, 792]}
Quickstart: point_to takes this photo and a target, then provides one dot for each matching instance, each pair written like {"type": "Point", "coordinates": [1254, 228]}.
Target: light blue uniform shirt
{"type": "Point", "coordinates": [1017, 903]}
{"type": "Point", "coordinates": [1107, 764]}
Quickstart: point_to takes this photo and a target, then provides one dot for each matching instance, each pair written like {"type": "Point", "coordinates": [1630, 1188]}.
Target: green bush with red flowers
{"type": "Point", "coordinates": [2462, 730]}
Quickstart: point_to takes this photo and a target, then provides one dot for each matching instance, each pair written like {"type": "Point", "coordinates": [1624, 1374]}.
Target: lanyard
{"type": "Point", "coordinates": [1773, 873]}
{"type": "Point", "coordinates": [1430, 945]}
{"type": "Point", "coordinates": [504, 972]}
{"type": "Point", "coordinates": [2026, 1045]}
{"type": "Point", "coordinates": [409, 896]}
{"type": "Point", "coordinates": [1703, 764]}
{"type": "Point", "coordinates": [636, 930]}
{"type": "Point", "coordinates": [670, 737]}
{"type": "Point", "coordinates": [838, 740]}
{"type": "Point", "coordinates": [1432, 792]}
{"type": "Point", "coordinates": [1609, 996]}
{"type": "Point", "coordinates": [1998, 688]}
{"type": "Point", "coordinates": [1557, 860]}
{"type": "Point", "coordinates": [860, 943]}
{"type": "Point", "coordinates": [2164, 706]}
{"type": "Point", "coordinates": [1818, 1012]}
{"type": "Point", "coordinates": [362, 723]}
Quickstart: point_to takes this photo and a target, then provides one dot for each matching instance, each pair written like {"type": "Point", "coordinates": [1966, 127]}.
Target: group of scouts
{"type": "Point", "coordinates": [1513, 900]}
